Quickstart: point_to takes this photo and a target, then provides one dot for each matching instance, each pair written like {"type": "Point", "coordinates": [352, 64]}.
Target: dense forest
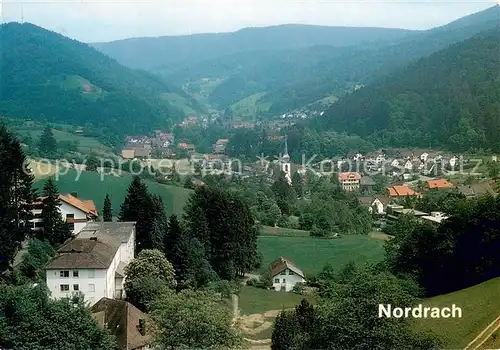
{"type": "Point", "coordinates": [46, 76]}
{"type": "Point", "coordinates": [450, 99]}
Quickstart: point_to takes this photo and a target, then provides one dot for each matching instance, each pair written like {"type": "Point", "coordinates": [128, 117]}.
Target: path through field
{"type": "Point", "coordinates": [484, 335]}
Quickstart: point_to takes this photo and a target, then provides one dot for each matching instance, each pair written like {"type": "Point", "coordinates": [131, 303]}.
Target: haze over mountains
{"type": "Point", "coordinates": [275, 69]}
{"type": "Point", "coordinates": [252, 73]}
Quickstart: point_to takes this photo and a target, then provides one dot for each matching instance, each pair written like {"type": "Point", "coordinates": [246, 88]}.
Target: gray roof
{"type": "Point", "coordinates": [96, 252]}
{"type": "Point", "coordinates": [466, 190]}
{"type": "Point", "coordinates": [367, 200]}
{"type": "Point", "coordinates": [367, 181]}
{"type": "Point", "coordinates": [142, 152]}
{"type": "Point", "coordinates": [119, 230]}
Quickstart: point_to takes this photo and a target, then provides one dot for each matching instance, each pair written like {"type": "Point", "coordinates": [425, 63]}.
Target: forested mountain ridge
{"type": "Point", "coordinates": [450, 99]}
{"type": "Point", "coordinates": [46, 76]}
{"type": "Point", "coordinates": [165, 51]}
{"type": "Point", "coordinates": [276, 79]}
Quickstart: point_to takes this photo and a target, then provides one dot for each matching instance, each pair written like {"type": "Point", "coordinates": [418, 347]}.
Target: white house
{"type": "Point", "coordinates": [424, 156]}
{"type": "Point", "coordinates": [453, 161]}
{"type": "Point", "coordinates": [93, 262]}
{"type": "Point", "coordinates": [395, 163]}
{"type": "Point", "coordinates": [75, 211]}
{"type": "Point", "coordinates": [379, 204]}
{"type": "Point", "coordinates": [380, 159]}
{"type": "Point", "coordinates": [408, 165]}
{"type": "Point", "coordinates": [285, 275]}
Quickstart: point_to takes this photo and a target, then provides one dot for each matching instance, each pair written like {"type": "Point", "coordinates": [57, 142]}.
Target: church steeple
{"type": "Point", "coordinates": [285, 152]}
{"type": "Point", "coordinates": [285, 163]}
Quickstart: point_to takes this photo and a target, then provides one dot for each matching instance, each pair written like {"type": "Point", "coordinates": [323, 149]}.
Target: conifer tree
{"type": "Point", "coordinates": [16, 198]}
{"type": "Point", "coordinates": [55, 230]}
{"type": "Point", "coordinates": [137, 195]}
{"type": "Point", "coordinates": [285, 194]}
{"type": "Point", "coordinates": [47, 144]}
{"type": "Point", "coordinates": [107, 211]}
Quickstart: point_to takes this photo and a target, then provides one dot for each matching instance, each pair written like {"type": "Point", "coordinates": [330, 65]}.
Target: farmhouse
{"type": "Point", "coordinates": [438, 184]}
{"type": "Point", "coordinates": [93, 262]}
{"type": "Point", "coordinates": [285, 274]}
{"type": "Point", "coordinates": [130, 326]}
{"type": "Point", "coordinates": [75, 212]}
{"type": "Point", "coordinates": [401, 191]}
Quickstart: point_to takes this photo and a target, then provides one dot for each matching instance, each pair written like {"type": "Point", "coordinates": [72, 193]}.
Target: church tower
{"type": "Point", "coordinates": [285, 163]}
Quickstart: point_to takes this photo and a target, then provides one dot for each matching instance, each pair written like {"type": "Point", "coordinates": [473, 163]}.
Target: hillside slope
{"type": "Point", "coordinates": [165, 51]}
{"type": "Point", "coordinates": [294, 79]}
{"type": "Point", "coordinates": [450, 99]}
{"type": "Point", "coordinates": [46, 76]}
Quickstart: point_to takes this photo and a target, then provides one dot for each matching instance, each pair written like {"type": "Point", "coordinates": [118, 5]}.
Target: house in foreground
{"type": "Point", "coordinates": [75, 212]}
{"type": "Point", "coordinates": [286, 275]}
{"type": "Point", "coordinates": [130, 326]}
{"type": "Point", "coordinates": [93, 262]}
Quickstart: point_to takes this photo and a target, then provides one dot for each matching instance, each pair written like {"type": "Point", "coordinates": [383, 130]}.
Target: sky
{"type": "Point", "coordinates": [106, 20]}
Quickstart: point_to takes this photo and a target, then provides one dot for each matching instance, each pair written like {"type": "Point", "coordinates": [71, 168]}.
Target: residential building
{"type": "Point", "coordinates": [142, 153]}
{"type": "Point", "coordinates": [408, 165]}
{"type": "Point", "coordinates": [476, 190]}
{"type": "Point", "coordinates": [424, 156]}
{"type": "Point", "coordinates": [93, 262]}
{"type": "Point", "coordinates": [379, 205]}
{"type": "Point", "coordinates": [438, 184]}
{"type": "Point", "coordinates": [128, 154]}
{"type": "Point", "coordinates": [285, 275]}
{"type": "Point", "coordinates": [401, 191]}
{"type": "Point", "coordinates": [130, 326]}
{"type": "Point", "coordinates": [395, 211]}
{"type": "Point", "coordinates": [350, 181]}
{"type": "Point", "coordinates": [367, 184]}
{"type": "Point", "coordinates": [74, 211]}
{"type": "Point", "coordinates": [436, 217]}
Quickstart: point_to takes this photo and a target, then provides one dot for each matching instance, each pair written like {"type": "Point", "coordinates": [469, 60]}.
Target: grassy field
{"type": "Point", "coordinates": [255, 300]}
{"type": "Point", "coordinates": [250, 106]}
{"type": "Point", "coordinates": [64, 133]}
{"type": "Point", "coordinates": [311, 254]}
{"type": "Point", "coordinates": [480, 306]}
{"type": "Point", "coordinates": [283, 232]}
{"type": "Point", "coordinates": [91, 186]}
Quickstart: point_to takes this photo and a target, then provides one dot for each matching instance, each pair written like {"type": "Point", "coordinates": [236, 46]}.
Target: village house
{"type": "Point", "coordinates": [142, 153]}
{"type": "Point", "coordinates": [476, 190]}
{"type": "Point", "coordinates": [376, 204]}
{"type": "Point", "coordinates": [394, 211]}
{"type": "Point", "coordinates": [285, 275]}
{"type": "Point", "coordinates": [367, 184]}
{"type": "Point", "coordinates": [438, 184]}
{"type": "Point", "coordinates": [93, 262]}
{"type": "Point", "coordinates": [128, 154]}
{"type": "Point", "coordinates": [436, 217]}
{"type": "Point", "coordinates": [220, 146]}
{"type": "Point", "coordinates": [74, 211]}
{"type": "Point", "coordinates": [187, 146]}
{"type": "Point", "coordinates": [400, 191]}
{"type": "Point", "coordinates": [130, 326]}
{"type": "Point", "coordinates": [350, 181]}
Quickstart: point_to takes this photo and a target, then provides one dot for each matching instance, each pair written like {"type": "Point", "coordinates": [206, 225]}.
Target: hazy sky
{"type": "Point", "coordinates": [109, 20]}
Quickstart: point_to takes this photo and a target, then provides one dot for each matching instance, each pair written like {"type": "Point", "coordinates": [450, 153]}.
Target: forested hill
{"type": "Point", "coordinates": [449, 99]}
{"type": "Point", "coordinates": [46, 76]}
{"type": "Point", "coordinates": [165, 51]}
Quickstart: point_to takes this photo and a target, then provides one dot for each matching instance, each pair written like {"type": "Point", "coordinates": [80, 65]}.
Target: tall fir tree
{"type": "Point", "coordinates": [137, 195]}
{"type": "Point", "coordinates": [298, 184]}
{"type": "Point", "coordinates": [47, 144]}
{"type": "Point", "coordinates": [16, 198]}
{"type": "Point", "coordinates": [55, 230]}
{"type": "Point", "coordinates": [286, 196]}
{"type": "Point", "coordinates": [107, 211]}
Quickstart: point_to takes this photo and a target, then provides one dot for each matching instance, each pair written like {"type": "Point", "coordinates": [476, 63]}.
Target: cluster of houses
{"type": "Point", "coordinates": [140, 147]}
{"type": "Point", "coordinates": [387, 205]}
{"type": "Point", "coordinates": [92, 263]}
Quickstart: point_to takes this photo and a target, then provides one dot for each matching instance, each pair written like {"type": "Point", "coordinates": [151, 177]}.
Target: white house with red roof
{"type": "Point", "coordinates": [350, 181]}
{"type": "Point", "coordinates": [74, 211]}
{"type": "Point", "coordinates": [286, 275]}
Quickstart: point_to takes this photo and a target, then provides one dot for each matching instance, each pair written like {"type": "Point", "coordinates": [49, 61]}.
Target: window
{"type": "Point", "coordinates": [63, 273]}
{"type": "Point", "coordinates": [91, 274]}
{"type": "Point", "coordinates": [71, 226]}
{"type": "Point", "coordinates": [76, 287]}
{"type": "Point", "coordinates": [70, 216]}
{"type": "Point", "coordinates": [276, 280]}
{"type": "Point", "coordinates": [283, 272]}
{"type": "Point", "coordinates": [39, 224]}
{"type": "Point", "coordinates": [91, 287]}
{"type": "Point", "coordinates": [64, 287]}
{"type": "Point", "coordinates": [284, 280]}
{"type": "Point", "coordinates": [291, 273]}
{"type": "Point", "coordinates": [75, 273]}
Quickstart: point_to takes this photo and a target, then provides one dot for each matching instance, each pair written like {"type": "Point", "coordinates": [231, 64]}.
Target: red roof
{"type": "Point", "coordinates": [401, 191]}
{"type": "Point", "coordinates": [349, 176]}
{"type": "Point", "coordinates": [439, 183]}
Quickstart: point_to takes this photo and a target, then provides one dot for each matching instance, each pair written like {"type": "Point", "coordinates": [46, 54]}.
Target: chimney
{"type": "Point", "coordinates": [74, 194]}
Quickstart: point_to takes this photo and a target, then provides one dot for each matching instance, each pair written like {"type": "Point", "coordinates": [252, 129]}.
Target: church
{"type": "Point", "coordinates": [286, 166]}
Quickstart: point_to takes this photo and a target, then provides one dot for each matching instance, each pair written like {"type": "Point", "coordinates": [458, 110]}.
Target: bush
{"type": "Point", "coordinates": [298, 288]}
{"type": "Point", "coordinates": [253, 282]}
